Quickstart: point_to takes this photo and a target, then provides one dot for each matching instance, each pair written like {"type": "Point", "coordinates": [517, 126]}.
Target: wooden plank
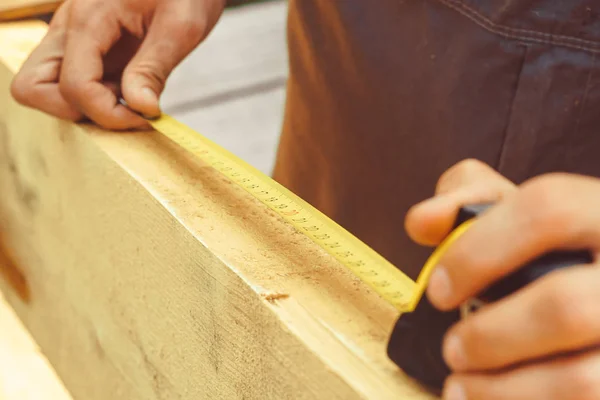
{"type": "Point", "coordinates": [25, 374]}
{"type": "Point", "coordinates": [16, 9]}
{"type": "Point", "coordinates": [152, 277]}
{"type": "Point", "coordinates": [246, 53]}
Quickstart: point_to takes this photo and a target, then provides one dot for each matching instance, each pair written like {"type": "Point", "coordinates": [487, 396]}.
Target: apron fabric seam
{"type": "Point", "coordinates": [584, 99]}
{"type": "Point", "coordinates": [526, 35]}
{"type": "Point", "coordinates": [507, 129]}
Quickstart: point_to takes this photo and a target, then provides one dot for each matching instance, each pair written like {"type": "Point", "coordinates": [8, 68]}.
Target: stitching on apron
{"type": "Point", "coordinates": [584, 98]}
{"type": "Point", "coordinates": [585, 95]}
{"type": "Point", "coordinates": [500, 164]}
{"type": "Point", "coordinates": [522, 34]}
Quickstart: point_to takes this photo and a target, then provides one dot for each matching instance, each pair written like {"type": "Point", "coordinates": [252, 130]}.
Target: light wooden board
{"type": "Point", "coordinates": [151, 277]}
{"type": "Point", "coordinates": [15, 9]}
{"type": "Point", "coordinates": [25, 373]}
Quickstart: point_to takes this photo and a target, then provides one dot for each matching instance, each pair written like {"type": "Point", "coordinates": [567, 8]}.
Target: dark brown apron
{"type": "Point", "coordinates": [384, 95]}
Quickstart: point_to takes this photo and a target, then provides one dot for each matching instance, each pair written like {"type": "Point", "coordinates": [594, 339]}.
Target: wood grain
{"type": "Point", "coordinates": [152, 277]}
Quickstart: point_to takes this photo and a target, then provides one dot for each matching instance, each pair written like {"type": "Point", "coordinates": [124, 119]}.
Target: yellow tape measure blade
{"type": "Point", "coordinates": [370, 267]}
{"type": "Point", "coordinates": [432, 262]}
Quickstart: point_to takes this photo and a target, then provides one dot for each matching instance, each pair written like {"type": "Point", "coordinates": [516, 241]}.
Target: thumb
{"type": "Point", "coordinates": [467, 182]}
{"type": "Point", "coordinates": [172, 35]}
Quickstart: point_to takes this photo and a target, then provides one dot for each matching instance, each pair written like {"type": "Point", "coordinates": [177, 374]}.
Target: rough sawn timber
{"type": "Point", "coordinates": [152, 277]}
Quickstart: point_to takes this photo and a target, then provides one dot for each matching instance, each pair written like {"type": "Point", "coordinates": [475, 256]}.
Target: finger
{"type": "Point", "coordinates": [469, 181]}
{"type": "Point", "coordinates": [36, 83]}
{"type": "Point", "coordinates": [52, 45]}
{"type": "Point", "coordinates": [556, 314]}
{"type": "Point", "coordinates": [36, 86]}
{"type": "Point", "coordinates": [548, 213]}
{"type": "Point", "coordinates": [429, 222]}
{"type": "Point", "coordinates": [575, 377]}
{"type": "Point", "coordinates": [92, 32]}
{"type": "Point", "coordinates": [172, 35]}
{"type": "Point", "coordinates": [47, 98]}
{"type": "Point", "coordinates": [469, 172]}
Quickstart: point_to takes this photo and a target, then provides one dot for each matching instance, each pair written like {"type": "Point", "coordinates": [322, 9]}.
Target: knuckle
{"type": "Point", "coordinates": [21, 89]}
{"type": "Point", "coordinates": [563, 306]}
{"type": "Point", "coordinates": [459, 172]}
{"type": "Point", "coordinates": [475, 333]}
{"type": "Point", "coordinates": [541, 206]}
{"type": "Point", "coordinates": [470, 165]}
{"type": "Point", "coordinates": [189, 27]}
{"type": "Point", "coordinates": [81, 12]}
{"type": "Point", "coordinates": [545, 184]}
{"type": "Point", "coordinates": [70, 88]}
{"type": "Point", "coordinates": [194, 27]}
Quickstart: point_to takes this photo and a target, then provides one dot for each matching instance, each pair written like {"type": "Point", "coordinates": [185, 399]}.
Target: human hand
{"type": "Point", "coordinates": [98, 50]}
{"type": "Point", "coordinates": [468, 182]}
{"type": "Point", "coordinates": [540, 342]}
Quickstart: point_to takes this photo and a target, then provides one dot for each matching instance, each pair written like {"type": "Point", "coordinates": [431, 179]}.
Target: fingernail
{"type": "Point", "coordinates": [454, 391]}
{"type": "Point", "coordinates": [439, 287]}
{"type": "Point", "coordinates": [454, 352]}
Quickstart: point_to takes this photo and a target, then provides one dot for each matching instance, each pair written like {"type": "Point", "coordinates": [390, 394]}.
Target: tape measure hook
{"type": "Point", "coordinates": [146, 117]}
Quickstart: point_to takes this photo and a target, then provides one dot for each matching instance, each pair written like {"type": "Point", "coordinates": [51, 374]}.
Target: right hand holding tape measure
{"type": "Point", "coordinates": [530, 259]}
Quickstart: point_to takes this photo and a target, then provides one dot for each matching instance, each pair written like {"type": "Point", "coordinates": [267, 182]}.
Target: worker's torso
{"type": "Point", "coordinates": [385, 95]}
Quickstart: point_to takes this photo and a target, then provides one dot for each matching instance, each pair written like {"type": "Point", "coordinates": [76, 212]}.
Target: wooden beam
{"type": "Point", "coordinates": [25, 373]}
{"type": "Point", "coordinates": [17, 9]}
{"type": "Point", "coordinates": [151, 277]}
{"type": "Point", "coordinates": [20, 9]}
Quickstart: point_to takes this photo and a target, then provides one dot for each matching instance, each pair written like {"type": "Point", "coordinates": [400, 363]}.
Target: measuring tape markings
{"type": "Point", "coordinates": [369, 266]}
